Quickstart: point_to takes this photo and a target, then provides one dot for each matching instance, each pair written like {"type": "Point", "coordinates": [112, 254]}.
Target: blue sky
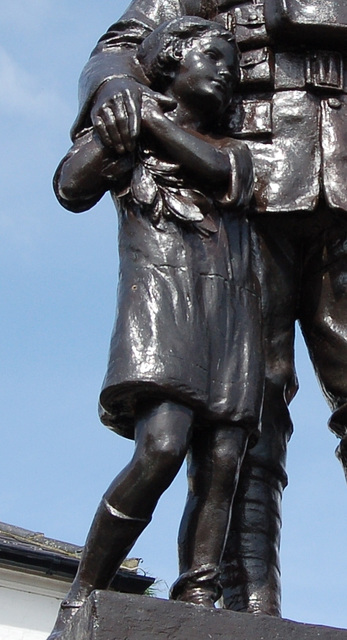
{"type": "Point", "coordinates": [58, 282]}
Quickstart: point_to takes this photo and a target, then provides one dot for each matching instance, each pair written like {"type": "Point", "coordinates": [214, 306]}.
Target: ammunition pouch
{"type": "Point", "coordinates": [311, 21]}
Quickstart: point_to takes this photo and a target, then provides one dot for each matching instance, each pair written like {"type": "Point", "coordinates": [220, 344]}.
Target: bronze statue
{"type": "Point", "coordinates": [293, 116]}
{"type": "Point", "coordinates": [185, 373]}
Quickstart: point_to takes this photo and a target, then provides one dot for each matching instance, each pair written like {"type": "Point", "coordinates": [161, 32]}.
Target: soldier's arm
{"type": "Point", "coordinates": [112, 82]}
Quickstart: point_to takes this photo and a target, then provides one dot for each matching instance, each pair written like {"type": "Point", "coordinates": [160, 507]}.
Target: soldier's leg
{"type": "Point", "coordinates": [323, 319]}
{"type": "Point", "coordinates": [214, 462]}
{"type": "Point", "coordinates": [251, 571]}
{"type": "Point", "coordinates": [163, 433]}
{"type": "Point", "coordinates": [251, 566]}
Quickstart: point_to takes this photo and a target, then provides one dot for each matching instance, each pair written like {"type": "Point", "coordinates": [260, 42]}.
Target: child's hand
{"type": "Point", "coordinates": [153, 106]}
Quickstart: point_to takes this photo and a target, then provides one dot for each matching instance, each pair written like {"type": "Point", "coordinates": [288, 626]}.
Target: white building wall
{"type": "Point", "coordinates": [28, 604]}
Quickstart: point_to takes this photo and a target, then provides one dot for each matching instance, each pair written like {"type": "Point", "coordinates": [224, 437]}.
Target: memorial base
{"type": "Point", "coordinates": [113, 616]}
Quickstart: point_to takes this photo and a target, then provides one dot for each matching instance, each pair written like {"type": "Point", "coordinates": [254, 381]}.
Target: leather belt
{"type": "Point", "coordinates": [318, 70]}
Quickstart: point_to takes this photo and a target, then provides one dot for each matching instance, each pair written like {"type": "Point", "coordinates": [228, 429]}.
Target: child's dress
{"type": "Point", "coordinates": [188, 325]}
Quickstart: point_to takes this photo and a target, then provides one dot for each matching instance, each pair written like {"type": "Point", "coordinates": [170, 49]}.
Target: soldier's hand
{"type": "Point", "coordinates": [116, 113]}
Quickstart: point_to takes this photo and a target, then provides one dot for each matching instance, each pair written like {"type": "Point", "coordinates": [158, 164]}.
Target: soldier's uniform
{"type": "Point", "coordinates": [293, 115]}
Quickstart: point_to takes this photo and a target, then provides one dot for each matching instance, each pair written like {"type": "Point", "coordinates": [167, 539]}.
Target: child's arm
{"type": "Point", "coordinates": [87, 172]}
{"type": "Point", "coordinates": [195, 154]}
{"type": "Point", "coordinates": [78, 182]}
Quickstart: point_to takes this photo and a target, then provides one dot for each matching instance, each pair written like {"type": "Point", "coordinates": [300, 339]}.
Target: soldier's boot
{"type": "Point", "coordinates": [338, 425]}
{"type": "Point", "coordinates": [201, 586]}
{"type": "Point", "coordinates": [110, 538]}
{"type": "Point", "coordinates": [251, 567]}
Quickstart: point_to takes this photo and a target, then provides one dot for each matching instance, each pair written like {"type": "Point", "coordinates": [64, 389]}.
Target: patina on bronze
{"type": "Point", "coordinates": [185, 373]}
{"type": "Point", "coordinates": [293, 115]}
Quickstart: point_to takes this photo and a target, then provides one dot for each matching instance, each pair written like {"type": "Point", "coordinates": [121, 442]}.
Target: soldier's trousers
{"type": "Point", "coordinates": [302, 268]}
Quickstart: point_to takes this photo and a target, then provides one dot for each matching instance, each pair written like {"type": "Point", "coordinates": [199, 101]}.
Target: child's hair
{"type": "Point", "coordinates": [161, 52]}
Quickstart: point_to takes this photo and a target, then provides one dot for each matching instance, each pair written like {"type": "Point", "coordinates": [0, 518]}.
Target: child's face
{"type": "Point", "coordinates": [206, 73]}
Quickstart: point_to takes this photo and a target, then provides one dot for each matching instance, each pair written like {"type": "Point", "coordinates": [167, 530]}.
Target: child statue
{"type": "Point", "coordinates": [185, 372]}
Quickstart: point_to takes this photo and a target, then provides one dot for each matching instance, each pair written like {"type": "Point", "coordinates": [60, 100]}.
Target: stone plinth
{"type": "Point", "coordinates": [114, 616]}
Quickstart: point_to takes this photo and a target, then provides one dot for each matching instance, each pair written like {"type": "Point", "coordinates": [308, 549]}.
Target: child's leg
{"type": "Point", "coordinates": [163, 433]}
{"type": "Point", "coordinates": [214, 463]}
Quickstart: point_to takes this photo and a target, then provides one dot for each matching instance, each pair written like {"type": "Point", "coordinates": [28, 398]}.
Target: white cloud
{"type": "Point", "coordinates": [22, 93]}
